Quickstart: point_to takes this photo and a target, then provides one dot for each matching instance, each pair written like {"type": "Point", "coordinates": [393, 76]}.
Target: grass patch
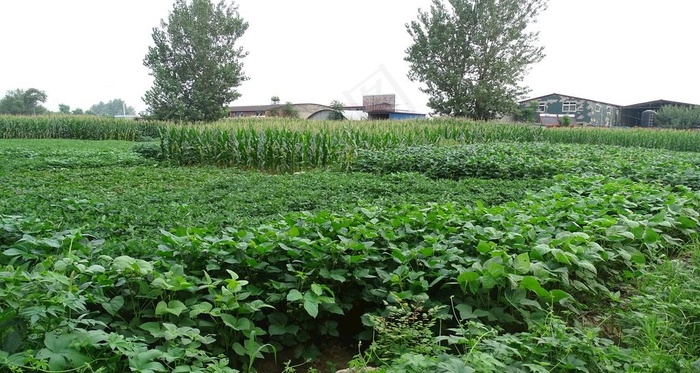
{"type": "Point", "coordinates": [661, 318]}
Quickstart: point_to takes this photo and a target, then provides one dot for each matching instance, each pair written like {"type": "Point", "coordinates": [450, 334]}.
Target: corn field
{"type": "Point", "coordinates": [678, 140]}
{"type": "Point", "coordinates": [76, 127]}
{"type": "Point", "coordinates": [288, 145]}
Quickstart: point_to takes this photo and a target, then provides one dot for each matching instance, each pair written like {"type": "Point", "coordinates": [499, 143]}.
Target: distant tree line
{"type": "Point", "coordinates": [29, 102]}
{"type": "Point", "coordinates": [23, 102]}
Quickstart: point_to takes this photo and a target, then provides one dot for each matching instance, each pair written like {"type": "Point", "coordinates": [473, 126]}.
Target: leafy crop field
{"type": "Point", "coordinates": [418, 252]}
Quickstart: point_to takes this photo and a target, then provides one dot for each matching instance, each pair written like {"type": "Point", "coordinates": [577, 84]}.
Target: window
{"type": "Point", "coordinates": [259, 113]}
{"type": "Point", "coordinates": [597, 108]}
{"type": "Point", "coordinates": [542, 107]}
{"type": "Point", "coordinates": [569, 107]}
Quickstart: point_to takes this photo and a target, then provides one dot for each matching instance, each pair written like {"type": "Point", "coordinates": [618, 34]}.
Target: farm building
{"type": "Point", "coordinates": [581, 110]}
{"type": "Point", "coordinates": [632, 114]}
{"type": "Point", "coordinates": [596, 113]}
{"type": "Point", "coordinates": [374, 107]}
{"type": "Point", "coordinates": [384, 107]}
{"type": "Point", "coordinates": [306, 111]}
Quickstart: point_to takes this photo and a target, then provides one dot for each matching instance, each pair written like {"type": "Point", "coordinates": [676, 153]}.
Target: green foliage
{"type": "Point", "coordinates": [77, 127]}
{"type": "Point", "coordinates": [148, 150]}
{"type": "Point", "coordinates": [195, 62]}
{"type": "Point", "coordinates": [64, 109]}
{"type": "Point", "coordinates": [527, 114]}
{"type": "Point", "coordinates": [337, 108]}
{"type": "Point", "coordinates": [472, 55]}
{"type": "Point", "coordinates": [289, 111]}
{"type": "Point", "coordinates": [193, 296]}
{"type": "Point", "coordinates": [112, 108]}
{"type": "Point", "coordinates": [67, 305]}
{"type": "Point", "coordinates": [658, 319]}
{"type": "Point", "coordinates": [534, 160]}
{"type": "Point", "coordinates": [565, 121]}
{"type": "Point", "coordinates": [294, 145]}
{"type": "Point", "coordinates": [174, 268]}
{"type": "Point", "coordinates": [73, 184]}
{"type": "Point", "coordinates": [288, 146]}
{"type": "Point", "coordinates": [23, 102]}
{"type": "Point", "coordinates": [404, 329]}
{"type": "Point", "coordinates": [548, 346]}
{"type": "Point", "coordinates": [678, 117]}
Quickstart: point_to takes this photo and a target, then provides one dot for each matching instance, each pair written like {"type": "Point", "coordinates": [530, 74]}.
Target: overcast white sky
{"type": "Point", "coordinates": [85, 51]}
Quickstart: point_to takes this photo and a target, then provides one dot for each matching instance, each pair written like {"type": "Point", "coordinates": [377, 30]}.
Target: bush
{"type": "Point", "coordinates": [678, 117]}
{"type": "Point", "coordinates": [148, 150]}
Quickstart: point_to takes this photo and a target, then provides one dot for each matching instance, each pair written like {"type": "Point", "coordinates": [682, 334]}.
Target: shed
{"type": "Point", "coordinates": [632, 114]}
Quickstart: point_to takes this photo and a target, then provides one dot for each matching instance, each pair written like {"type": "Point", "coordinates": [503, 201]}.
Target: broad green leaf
{"type": "Point", "coordinates": [533, 284]}
{"type": "Point", "coordinates": [294, 295]}
{"type": "Point", "coordinates": [469, 280]}
{"type": "Point", "coordinates": [14, 252]}
{"type": "Point", "coordinates": [161, 308]}
{"type": "Point", "coordinates": [311, 307]}
{"type": "Point", "coordinates": [152, 327]}
{"type": "Point", "coordinates": [587, 265]}
{"type": "Point", "coordinates": [114, 305]}
{"type": "Point", "coordinates": [229, 320]}
{"type": "Point", "coordinates": [522, 263]}
{"type": "Point", "coordinates": [485, 247]}
{"type": "Point", "coordinates": [243, 324]}
{"type": "Point", "coordinates": [466, 312]}
{"type": "Point", "coordinates": [557, 295]}
{"type": "Point", "coordinates": [239, 349]}
{"type": "Point", "coordinates": [176, 307]}
{"type": "Point", "coordinates": [651, 236]}
{"type": "Point", "coordinates": [293, 232]}
{"type": "Point", "coordinates": [561, 257]}
{"type": "Point", "coordinates": [277, 329]}
{"type": "Point", "coordinates": [200, 308]}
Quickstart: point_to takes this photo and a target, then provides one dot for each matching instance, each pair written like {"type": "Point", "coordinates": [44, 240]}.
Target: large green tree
{"type": "Point", "coordinates": [23, 102]}
{"type": "Point", "coordinates": [112, 108]}
{"type": "Point", "coordinates": [472, 55]}
{"type": "Point", "coordinates": [195, 62]}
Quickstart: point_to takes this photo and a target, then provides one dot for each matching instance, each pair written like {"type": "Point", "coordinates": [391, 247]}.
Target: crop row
{"type": "Point", "coordinates": [182, 305]}
{"type": "Point", "coordinates": [285, 149]}
{"type": "Point", "coordinates": [534, 160]}
{"type": "Point", "coordinates": [289, 148]}
{"type": "Point", "coordinates": [76, 127]}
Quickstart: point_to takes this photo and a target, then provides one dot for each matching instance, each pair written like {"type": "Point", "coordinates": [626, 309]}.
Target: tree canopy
{"type": "Point", "coordinates": [337, 108]}
{"type": "Point", "coordinates": [23, 102]}
{"type": "Point", "coordinates": [195, 62]}
{"type": "Point", "coordinates": [472, 55]}
{"type": "Point", "coordinates": [112, 108]}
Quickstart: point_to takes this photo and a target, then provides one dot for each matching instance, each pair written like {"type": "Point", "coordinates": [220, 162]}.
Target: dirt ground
{"type": "Point", "coordinates": [333, 357]}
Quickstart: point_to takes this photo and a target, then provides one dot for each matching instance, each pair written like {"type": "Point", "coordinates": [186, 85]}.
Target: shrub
{"type": "Point", "coordinates": [148, 150]}
{"type": "Point", "coordinates": [678, 117]}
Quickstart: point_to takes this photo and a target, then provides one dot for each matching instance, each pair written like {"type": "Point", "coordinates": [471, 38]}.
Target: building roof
{"type": "Point", "coordinates": [569, 96]}
{"type": "Point", "coordinates": [656, 104]}
{"type": "Point", "coordinates": [254, 107]}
